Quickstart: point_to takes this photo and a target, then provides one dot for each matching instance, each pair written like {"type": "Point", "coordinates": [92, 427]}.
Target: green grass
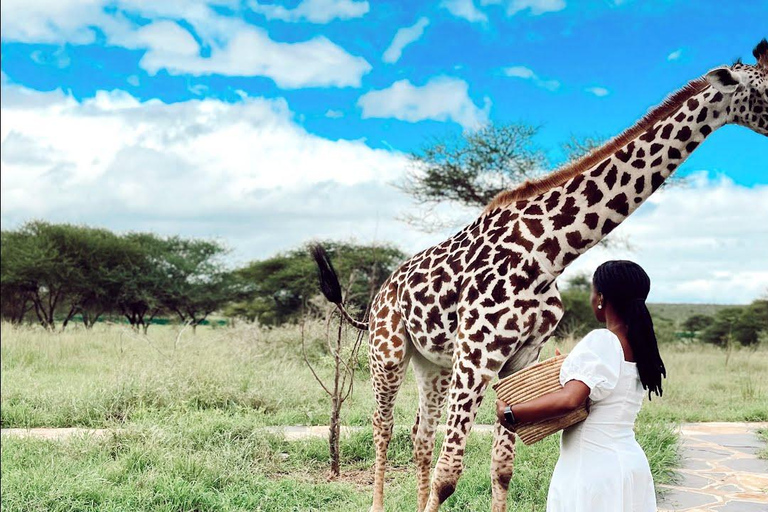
{"type": "Point", "coordinates": [110, 375]}
{"type": "Point", "coordinates": [763, 434]}
{"type": "Point", "coordinates": [188, 408]}
{"type": "Point", "coordinates": [214, 461]}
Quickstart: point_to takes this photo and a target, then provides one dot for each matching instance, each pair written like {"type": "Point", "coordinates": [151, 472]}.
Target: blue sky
{"type": "Point", "coordinates": [303, 102]}
{"type": "Point", "coordinates": [636, 52]}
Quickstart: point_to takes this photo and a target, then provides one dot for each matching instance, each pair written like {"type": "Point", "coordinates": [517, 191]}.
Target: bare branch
{"type": "Point", "coordinates": [306, 359]}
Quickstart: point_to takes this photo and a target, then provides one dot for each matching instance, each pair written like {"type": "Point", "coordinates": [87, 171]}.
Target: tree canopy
{"type": "Point", "coordinates": [58, 271]}
{"type": "Point", "coordinates": [54, 273]}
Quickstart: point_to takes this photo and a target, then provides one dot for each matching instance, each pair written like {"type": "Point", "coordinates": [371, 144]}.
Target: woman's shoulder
{"type": "Point", "coordinates": [598, 335]}
{"type": "Point", "coordinates": [600, 339]}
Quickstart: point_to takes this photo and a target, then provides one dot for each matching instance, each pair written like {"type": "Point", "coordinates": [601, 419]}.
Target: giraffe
{"type": "Point", "coordinates": [481, 304]}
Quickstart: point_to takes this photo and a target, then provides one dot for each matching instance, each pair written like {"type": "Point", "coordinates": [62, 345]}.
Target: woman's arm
{"type": "Point", "coordinates": [552, 405]}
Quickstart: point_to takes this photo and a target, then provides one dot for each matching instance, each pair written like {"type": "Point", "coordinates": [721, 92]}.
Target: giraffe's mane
{"type": "Point", "coordinates": [531, 188]}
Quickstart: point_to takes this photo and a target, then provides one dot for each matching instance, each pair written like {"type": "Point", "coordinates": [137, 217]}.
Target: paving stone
{"type": "Point", "coordinates": [743, 506]}
{"type": "Point", "coordinates": [729, 488]}
{"type": "Point", "coordinates": [733, 440]}
{"type": "Point", "coordinates": [678, 499]}
{"type": "Point", "coordinates": [749, 450]}
{"type": "Point", "coordinates": [695, 464]}
{"type": "Point", "coordinates": [704, 453]}
{"type": "Point", "coordinates": [693, 481]}
{"type": "Point", "coordinates": [749, 465]}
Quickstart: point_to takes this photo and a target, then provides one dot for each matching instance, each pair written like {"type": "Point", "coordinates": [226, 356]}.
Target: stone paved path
{"type": "Point", "coordinates": [56, 433]}
{"type": "Point", "coordinates": [721, 471]}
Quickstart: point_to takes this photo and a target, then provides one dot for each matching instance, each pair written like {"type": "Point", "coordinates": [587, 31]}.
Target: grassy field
{"type": "Point", "coordinates": [187, 407]}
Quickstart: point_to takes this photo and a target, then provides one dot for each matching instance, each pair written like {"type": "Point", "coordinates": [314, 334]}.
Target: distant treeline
{"type": "Point", "coordinates": [741, 325]}
{"type": "Point", "coordinates": [54, 273]}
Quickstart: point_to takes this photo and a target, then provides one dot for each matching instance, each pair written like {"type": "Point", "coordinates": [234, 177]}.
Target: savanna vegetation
{"type": "Point", "coordinates": [189, 414]}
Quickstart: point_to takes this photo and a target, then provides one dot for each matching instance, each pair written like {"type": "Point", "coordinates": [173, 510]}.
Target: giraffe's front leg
{"type": "Point", "coordinates": [502, 465]}
{"type": "Point", "coordinates": [503, 452]}
{"type": "Point", "coordinates": [469, 382]}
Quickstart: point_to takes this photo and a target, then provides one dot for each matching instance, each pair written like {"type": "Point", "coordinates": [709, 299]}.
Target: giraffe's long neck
{"type": "Point", "coordinates": [587, 207]}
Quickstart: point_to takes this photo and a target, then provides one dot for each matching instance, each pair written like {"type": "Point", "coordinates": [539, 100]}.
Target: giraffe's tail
{"type": "Point", "coordinates": [329, 284]}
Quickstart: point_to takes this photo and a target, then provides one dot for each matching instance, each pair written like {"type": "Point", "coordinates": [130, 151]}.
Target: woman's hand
{"type": "Point", "coordinates": [500, 406]}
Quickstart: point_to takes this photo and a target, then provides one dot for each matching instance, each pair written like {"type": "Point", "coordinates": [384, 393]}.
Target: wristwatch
{"type": "Point", "coordinates": [508, 416]}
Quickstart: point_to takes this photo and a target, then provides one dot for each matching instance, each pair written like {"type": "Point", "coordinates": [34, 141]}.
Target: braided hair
{"type": "Point", "coordinates": [626, 285]}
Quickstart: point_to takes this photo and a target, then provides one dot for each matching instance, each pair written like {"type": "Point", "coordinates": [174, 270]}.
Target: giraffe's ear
{"type": "Point", "coordinates": [761, 53]}
{"type": "Point", "coordinates": [723, 79]}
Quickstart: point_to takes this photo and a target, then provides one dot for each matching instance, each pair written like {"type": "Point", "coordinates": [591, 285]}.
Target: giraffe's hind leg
{"type": "Point", "coordinates": [433, 382]}
{"type": "Point", "coordinates": [388, 355]}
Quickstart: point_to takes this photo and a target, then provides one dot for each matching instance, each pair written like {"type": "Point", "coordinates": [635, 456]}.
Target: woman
{"type": "Point", "coordinates": [601, 466]}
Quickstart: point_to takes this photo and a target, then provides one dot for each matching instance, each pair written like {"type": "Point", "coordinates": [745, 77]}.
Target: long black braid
{"type": "Point", "coordinates": [626, 285]}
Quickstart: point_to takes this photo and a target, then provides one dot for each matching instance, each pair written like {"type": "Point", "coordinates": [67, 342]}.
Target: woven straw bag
{"type": "Point", "coordinates": [532, 382]}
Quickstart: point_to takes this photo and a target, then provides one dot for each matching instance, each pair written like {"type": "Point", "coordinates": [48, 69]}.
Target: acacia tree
{"type": "Point", "coordinates": [470, 170]}
{"type": "Point", "coordinates": [38, 260]}
{"type": "Point", "coordinates": [744, 324]}
{"type": "Point", "coordinates": [140, 298]}
{"type": "Point", "coordinates": [15, 293]}
{"type": "Point", "coordinates": [198, 283]}
{"type": "Point", "coordinates": [105, 263]}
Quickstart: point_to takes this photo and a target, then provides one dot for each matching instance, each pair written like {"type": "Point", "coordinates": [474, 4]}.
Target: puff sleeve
{"type": "Point", "coordinates": [595, 361]}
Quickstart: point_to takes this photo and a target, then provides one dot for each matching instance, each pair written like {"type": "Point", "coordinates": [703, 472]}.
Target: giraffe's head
{"type": "Point", "coordinates": [745, 88]}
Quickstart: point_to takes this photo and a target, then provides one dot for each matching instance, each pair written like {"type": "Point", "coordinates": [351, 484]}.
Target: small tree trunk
{"type": "Point", "coordinates": [333, 436]}
{"type": "Point", "coordinates": [90, 319]}
{"type": "Point", "coordinates": [69, 316]}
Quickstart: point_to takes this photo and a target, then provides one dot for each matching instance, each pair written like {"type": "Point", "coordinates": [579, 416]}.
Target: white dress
{"type": "Point", "coordinates": [601, 467]}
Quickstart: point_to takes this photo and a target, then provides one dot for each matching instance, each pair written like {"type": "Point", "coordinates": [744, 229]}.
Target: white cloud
{"type": "Point", "coordinates": [334, 114]}
{"type": "Point", "coordinates": [49, 21]}
{"type": "Point", "coordinates": [519, 72]}
{"type": "Point", "coordinates": [703, 243]}
{"type": "Point", "coordinates": [528, 74]}
{"type": "Point", "coordinates": [237, 48]}
{"type": "Point", "coordinates": [465, 9]}
{"type": "Point", "coordinates": [598, 91]}
{"type": "Point", "coordinates": [675, 55]}
{"type": "Point", "coordinates": [250, 52]}
{"type": "Point", "coordinates": [243, 170]}
{"type": "Point", "coordinates": [314, 11]}
{"type": "Point", "coordinates": [536, 7]}
{"type": "Point", "coordinates": [403, 38]}
{"type": "Point", "coordinates": [442, 99]}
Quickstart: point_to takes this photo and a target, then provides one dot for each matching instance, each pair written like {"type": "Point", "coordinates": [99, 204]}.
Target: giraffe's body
{"type": "Point", "coordinates": [482, 303]}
